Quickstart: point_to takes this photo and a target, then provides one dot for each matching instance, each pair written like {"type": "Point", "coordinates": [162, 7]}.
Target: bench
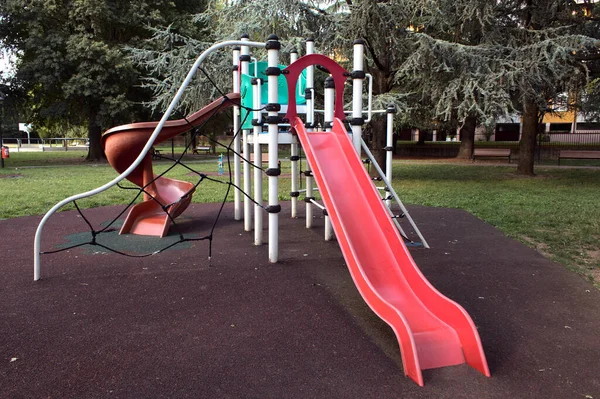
{"type": "Point", "coordinates": [264, 158]}
{"type": "Point", "coordinates": [205, 148]}
{"type": "Point", "coordinates": [491, 153]}
{"type": "Point", "coordinates": [577, 154]}
{"type": "Point", "coordinates": [155, 153]}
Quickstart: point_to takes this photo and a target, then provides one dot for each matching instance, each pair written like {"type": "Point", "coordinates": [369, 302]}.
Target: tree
{"type": "Point", "coordinates": [520, 55]}
{"type": "Point", "coordinates": [70, 60]}
{"type": "Point", "coordinates": [589, 98]}
{"type": "Point", "coordinates": [334, 25]}
{"type": "Point", "coordinates": [441, 62]}
{"type": "Point", "coordinates": [550, 37]}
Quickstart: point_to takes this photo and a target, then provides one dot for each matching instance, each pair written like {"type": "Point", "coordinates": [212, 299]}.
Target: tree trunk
{"type": "Point", "coordinates": [95, 152]}
{"type": "Point", "coordinates": [421, 139]}
{"type": "Point", "coordinates": [527, 143]}
{"type": "Point", "coordinates": [382, 83]}
{"type": "Point", "coordinates": [467, 138]}
{"type": "Point", "coordinates": [378, 128]}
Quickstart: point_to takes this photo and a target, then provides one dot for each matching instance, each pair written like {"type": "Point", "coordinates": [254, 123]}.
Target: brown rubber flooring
{"type": "Point", "coordinates": [101, 325]}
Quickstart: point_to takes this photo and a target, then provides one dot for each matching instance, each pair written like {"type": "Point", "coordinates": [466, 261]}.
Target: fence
{"type": "Point", "coordinates": [583, 139]}
{"type": "Point", "coordinates": [548, 144]}
{"type": "Point", "coordinates": [46, 144]}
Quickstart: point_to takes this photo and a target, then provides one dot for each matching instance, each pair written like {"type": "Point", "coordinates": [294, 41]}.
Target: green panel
{"type": "Point", "coordinates": [246, 90]}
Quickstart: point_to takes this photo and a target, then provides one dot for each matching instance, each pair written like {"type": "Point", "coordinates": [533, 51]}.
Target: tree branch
{"type": "Point", "coordinates": [375, 59]}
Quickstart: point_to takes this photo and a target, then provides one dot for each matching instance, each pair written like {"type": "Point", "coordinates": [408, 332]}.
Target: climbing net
{"type": "Point", "coordinates": [227, 181]}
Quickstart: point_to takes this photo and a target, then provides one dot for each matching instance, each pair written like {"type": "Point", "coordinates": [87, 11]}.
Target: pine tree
{"type": "Point", "coordinates": [517, 56]}
{"type": "Point", "coordinates": [334, 25]}
{"type": "Point", "coordinates": [441, 62]}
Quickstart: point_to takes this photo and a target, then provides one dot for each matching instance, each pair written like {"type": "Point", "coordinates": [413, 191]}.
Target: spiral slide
{"type": "Point", "coordinates": [432, 330]}
{"type": "Point", "coordinates": [123, 144]}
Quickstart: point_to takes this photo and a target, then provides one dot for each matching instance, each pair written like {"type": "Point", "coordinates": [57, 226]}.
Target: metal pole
{"type": "Point", "coordinates": [273, 170]}
{"type": "Point", "coordinates": [237, 202]}
{"type": "Point", "coordinates": [244, 65]}
{"type": "Point", "coordinates": [329, 103]}
{"type": "Point", "coordinates": [394, 194]}
{"type": "Point", "coordinates": [1, 145]}
{"type": "Point", "coordinates": [294, 158]}
{"type": "Point", "coordinates": [358, 75]}
{"type": "Point", "coordinates": [138, 160]}
{"type": "Point", "coordinates": [258, 196]}
{"type": "Point", "coordinates": [1, 130]}
{"type": "Point", "coordinates": [310, 121]}
{"type": "Point", "coordinates": [391, 110]}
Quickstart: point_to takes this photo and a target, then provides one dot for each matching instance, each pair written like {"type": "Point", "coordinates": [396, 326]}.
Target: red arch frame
{"type": "Point", "coordinates": [292, 73]}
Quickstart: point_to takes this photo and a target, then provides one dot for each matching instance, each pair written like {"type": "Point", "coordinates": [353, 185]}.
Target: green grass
{"type": "Point", "coordinates": [555, 212]}
{"type": "Point", "coordinates": [39, 188]}
{"type": "Point", "coordinates": [23, 159]}
{"type": "Point", "coordinates": [571, 162]}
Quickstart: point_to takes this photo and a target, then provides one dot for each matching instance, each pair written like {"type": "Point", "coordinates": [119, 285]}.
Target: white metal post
{"type": "Point", "coordinates": [273, 170]}
{"type": "Point", "coordinates": [37, 266]}
{"type": "Point", "coordinates": [310, 120]}
{"type": "Point", "coordinates": [258, 196]}
{"type": "Point", "coordinates": [237, 204]}
{"type": "Point", "coordinates": [329, 103]}
{"type": "Point", "coordinates": [294, 159]}
{"type": "Point", "coordinates": [358, 75]}
{"type": "Point", "coordinates": [244, 63]}
{"type": "Point", "coordinates": [389, 148]}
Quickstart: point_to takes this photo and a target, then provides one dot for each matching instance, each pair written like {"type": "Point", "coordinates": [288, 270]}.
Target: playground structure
{"type": "Point", "coordinates": [248, 79]}
{"type": "Point", "coordinates": [432, 330]}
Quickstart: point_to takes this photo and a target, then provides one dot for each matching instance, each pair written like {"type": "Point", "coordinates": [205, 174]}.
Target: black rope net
{"type": "Point", "coordinates": [196, 133]}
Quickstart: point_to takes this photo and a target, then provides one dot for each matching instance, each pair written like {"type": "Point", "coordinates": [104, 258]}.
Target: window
{"type": "Point", "coordinates": [560, 128]}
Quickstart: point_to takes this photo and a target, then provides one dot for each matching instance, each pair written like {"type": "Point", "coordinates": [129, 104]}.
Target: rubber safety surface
{"type": "Point", "coordinates": [174, 326]}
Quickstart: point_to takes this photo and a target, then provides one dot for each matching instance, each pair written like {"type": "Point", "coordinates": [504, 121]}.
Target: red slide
{"type": "Point", "coordinates": [123, 144]}
{"type": "Point", "coordinates": [432, 330]}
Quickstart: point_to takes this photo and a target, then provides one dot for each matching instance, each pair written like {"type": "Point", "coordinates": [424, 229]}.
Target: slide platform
{"type": "Point", "coordinates": [164, 198]}
{"type": "Point", "coordinates": [432, 330]}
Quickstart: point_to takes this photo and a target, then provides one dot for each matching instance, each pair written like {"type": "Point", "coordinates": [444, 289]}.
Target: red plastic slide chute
{"type": "Point", "coordinates": [123, 144]}
{"type": "Point", "coordinates": [432, 330]}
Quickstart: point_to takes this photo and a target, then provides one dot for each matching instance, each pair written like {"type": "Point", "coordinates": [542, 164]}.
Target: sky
{"type": "Point", "coordinates": [4, 63]}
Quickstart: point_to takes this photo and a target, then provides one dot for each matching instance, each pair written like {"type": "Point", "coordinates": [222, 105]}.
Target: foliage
{"type": "Point", "coordinates": [51, 129]}
{"type": "Point", "coordinates": [168, 55]}
{"type": "Point", "coordinates": [590, 104]}
{"type": "Point", "coordinates": [70, 62]}
{"type": "Point", "coordinates": [484, 59]}
{"type": "Point", "coordinates": [438, 61]}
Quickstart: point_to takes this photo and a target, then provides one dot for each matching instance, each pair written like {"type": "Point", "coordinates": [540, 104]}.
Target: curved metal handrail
{"type": "Point", "coordinates": [138, 160]}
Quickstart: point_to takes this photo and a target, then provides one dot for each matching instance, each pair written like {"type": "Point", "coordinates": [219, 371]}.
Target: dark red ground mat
{"type": "Point", "coordinates": [101, 325]}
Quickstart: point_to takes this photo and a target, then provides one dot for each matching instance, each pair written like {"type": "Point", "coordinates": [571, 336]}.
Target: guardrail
{"type": "Point", "coordinates": [140, 157]}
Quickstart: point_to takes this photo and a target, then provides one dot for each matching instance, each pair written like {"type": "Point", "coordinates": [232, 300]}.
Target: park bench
{"type": "Point", "coordinates": [577, 154]}
{"type": "Point", "coordinates": [491, 153]}
{"type": "Point", "coordinates": [205, 148]}
{"type": "Point", "coordinates": [264, 157]}
{"type": "Point", "coordinates": [155, 153]}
